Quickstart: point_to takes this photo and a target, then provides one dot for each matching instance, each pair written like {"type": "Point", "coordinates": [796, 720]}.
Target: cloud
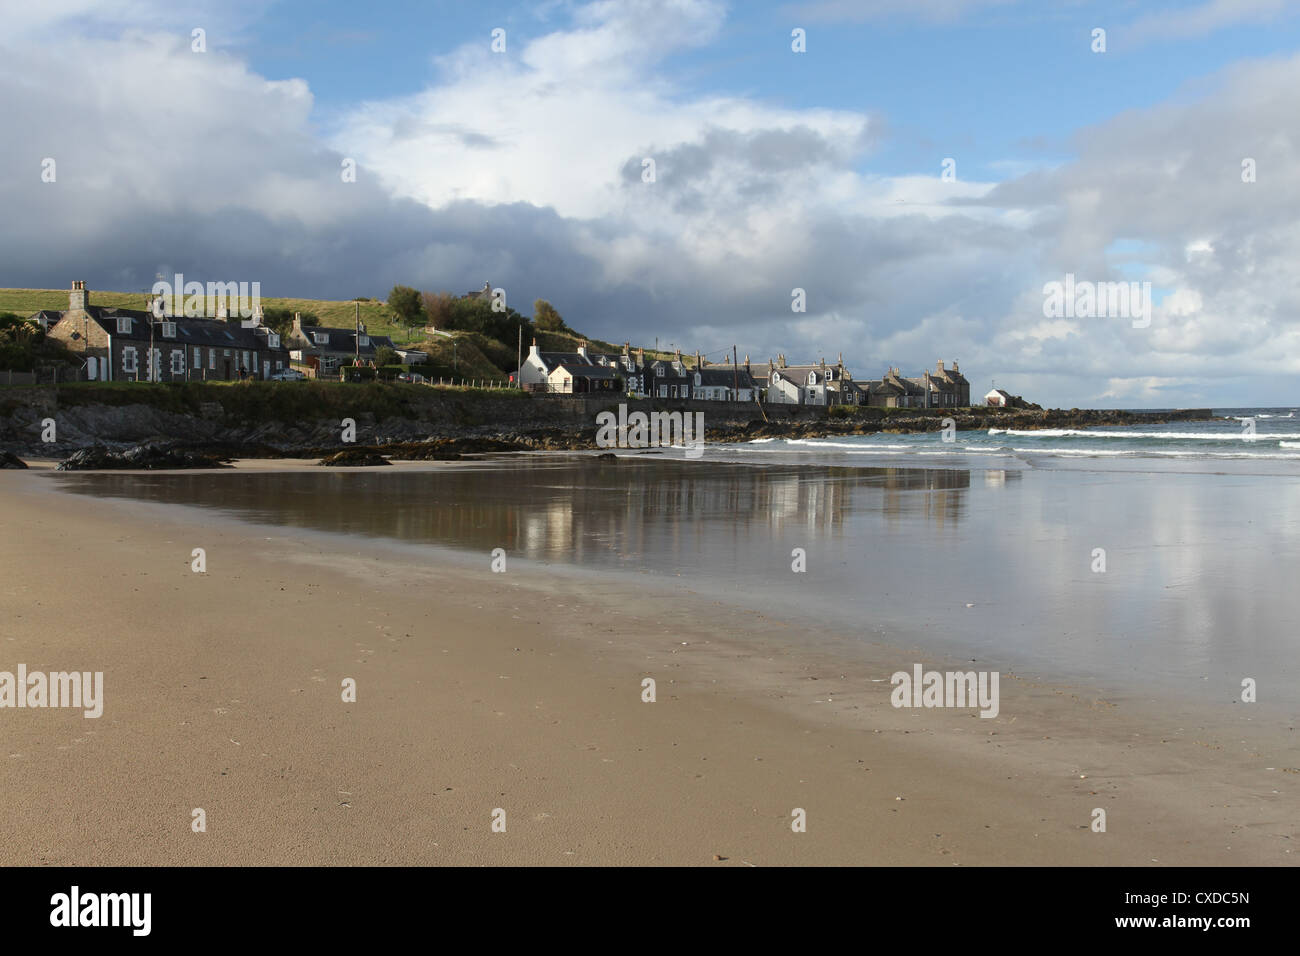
{"type": "Point", "coordinates": [1202, 20]}
{"type": "Point", "coordinates": [857, 11]}
{"type": "Point", "coordinates": [526, 169]}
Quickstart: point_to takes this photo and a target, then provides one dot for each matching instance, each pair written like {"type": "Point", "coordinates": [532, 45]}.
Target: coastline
{"type": "Point", "coordinates": [523, 691]}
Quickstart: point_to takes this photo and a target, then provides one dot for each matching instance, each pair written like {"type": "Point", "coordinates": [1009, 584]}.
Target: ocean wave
{"type": "Point", "coordinates": [1160, 436]}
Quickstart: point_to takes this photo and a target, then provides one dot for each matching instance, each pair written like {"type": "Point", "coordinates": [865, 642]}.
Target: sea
{"type": "Point", "coordinates": [1242, 440]}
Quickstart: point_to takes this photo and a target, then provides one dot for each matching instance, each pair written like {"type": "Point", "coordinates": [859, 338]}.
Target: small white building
{"type": "Point", "coordinates": [998, 398]}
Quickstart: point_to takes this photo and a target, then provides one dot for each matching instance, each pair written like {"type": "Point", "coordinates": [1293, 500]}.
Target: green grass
{"type": "Point", "coordinates": [378, 318]}
{"type": "Point", "coordinates": [480, 352]}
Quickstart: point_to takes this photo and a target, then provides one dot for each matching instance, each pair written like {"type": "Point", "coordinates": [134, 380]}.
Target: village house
{"type": "Point", "coordinates": [130, 345]}
{"type": "Point", "coordinates": [587, 370]}
{"type": "Point", "coordinates": [722, 383]}
{"type": "Point", "coordinates": [818, 384]}
{"type": "Point", "coordinates": [943, 388]}
{"type": "Point", "coordinates": [669, 378]}
{"type": "Point", "coordinates": [326, 349]}
{"type": "Point", "coordinates": [569, 379]}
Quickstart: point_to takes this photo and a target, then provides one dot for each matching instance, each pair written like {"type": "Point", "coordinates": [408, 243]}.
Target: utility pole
{"type": "Point", "coordinates": [519, 357]}
{"type": "Point", "coordinates": [356, 338]}
{"type": "Point", "coordinates": [735, 383]}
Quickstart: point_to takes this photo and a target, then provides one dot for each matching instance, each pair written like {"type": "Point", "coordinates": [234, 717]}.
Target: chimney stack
{"type": "Point", "coordinates": [79, 298]}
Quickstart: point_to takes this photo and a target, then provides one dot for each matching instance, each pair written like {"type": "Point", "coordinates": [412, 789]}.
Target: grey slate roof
{"type": "Point", "coordinates": [344, 340]}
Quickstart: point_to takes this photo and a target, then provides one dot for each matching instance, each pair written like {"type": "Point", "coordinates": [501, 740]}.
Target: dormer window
{"type": "Point", "coordinates": [123, 325]}
{"type": "Point", "coordinates": [169, 330]}
{"type": "Point", "coordinates": [812, 378]}
{"type": "Point", "coordinates": [365, 341]}
{"type": "Point", "coordinates": [659, 370]}
{"type": "Point", "coordinates": [321, 338]}
{"type": "Point", "coordinates": [272, 340]}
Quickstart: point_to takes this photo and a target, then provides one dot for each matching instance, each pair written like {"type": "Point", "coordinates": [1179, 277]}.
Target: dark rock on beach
{"type": "Point", "coordinates": [354, 458]}
{"type": "Point", "coordinates": [9, 460]}
{"type": "Point", "coordinates": [148, 456]}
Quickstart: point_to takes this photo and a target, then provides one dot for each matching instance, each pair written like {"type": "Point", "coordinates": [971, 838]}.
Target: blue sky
{"type": "Point", "coordinates": [1006, 89]}
{"type": "Point", "coordinates": [775, 171]}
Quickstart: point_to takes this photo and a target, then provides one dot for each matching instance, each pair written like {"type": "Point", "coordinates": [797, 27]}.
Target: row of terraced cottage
{"type": "Point", "coordinates": [778, 383]}
{"type": "Point", "coordinates": [131, 345]}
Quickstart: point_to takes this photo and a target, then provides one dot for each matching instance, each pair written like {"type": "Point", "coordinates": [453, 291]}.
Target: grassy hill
{"type": "Point", "coordinates": [475, 355]}
{"type": "Point", "coordinates": [375, 314]}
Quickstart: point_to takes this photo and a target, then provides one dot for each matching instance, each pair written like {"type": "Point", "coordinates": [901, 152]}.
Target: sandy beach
{"type": "Point", "coordinates": [523, 691]}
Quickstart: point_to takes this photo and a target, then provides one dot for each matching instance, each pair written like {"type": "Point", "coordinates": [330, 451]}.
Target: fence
{"type": "Point", "coordinates": [42, 376]}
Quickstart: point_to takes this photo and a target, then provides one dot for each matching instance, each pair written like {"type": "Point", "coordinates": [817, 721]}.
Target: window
{"type": "Point", "coordinates": [659, 370]}
{"type": "Point", "coordinates": [212, 359]}
{"type": "Point", "coordinates": [129, 359]}
{"type": "Point", "coordinates": [169, 330]}
{"type": "Point", "coordinates": [178, 362]}
{"type": "Point", "coordinates": [663, 391]}
{"type": "Point", "coordinates": [321, 338]}
{"type": "Point", "coordinates": [272, 340]}
{"type": "Point", "coordinates": [278, 365]}
{"type": "Point", "coordinates": [365, 341]}
{"type": "Point", "coordinates": [198, 357]}
{"type": "Point", "coordinates": [123, 325]}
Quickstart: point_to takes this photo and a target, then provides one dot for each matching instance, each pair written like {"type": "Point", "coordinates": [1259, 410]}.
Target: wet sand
{"type": "Point", "coordinates": [523, 691]}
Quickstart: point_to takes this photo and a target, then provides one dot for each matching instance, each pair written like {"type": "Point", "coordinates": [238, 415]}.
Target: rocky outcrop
{"type": "Point", "coordinates": [354, 458]}
{"type": "Point", "coordinates": [405, 422]}
{"type": "Point", "coordinates": [9, 460]}
{"type": "Point", "coordinates": [149, 457]}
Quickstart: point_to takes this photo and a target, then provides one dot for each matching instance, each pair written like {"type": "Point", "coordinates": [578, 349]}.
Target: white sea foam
{"type": "Point", "coordinates": [1162, 436]}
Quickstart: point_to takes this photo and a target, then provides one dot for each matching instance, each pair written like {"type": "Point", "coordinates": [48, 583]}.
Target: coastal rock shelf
{"type": "Point", "coordinates": [264, 420]}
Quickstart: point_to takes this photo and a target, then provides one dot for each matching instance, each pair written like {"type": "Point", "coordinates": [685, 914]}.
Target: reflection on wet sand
{"type": "Point", "coordinates": [572, 510]}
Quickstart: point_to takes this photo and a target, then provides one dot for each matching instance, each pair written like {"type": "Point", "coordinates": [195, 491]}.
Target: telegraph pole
{"type": "Point", "coordinates": [735, 377]}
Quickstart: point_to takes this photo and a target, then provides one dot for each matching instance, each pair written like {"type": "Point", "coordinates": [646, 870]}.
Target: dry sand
{"type": "Point", "coordinates": [522, 691]}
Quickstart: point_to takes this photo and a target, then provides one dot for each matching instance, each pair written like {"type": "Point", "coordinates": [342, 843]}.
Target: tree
{"type": "Point", "coordinates": [546, 318]}
{"type": "Point", "coordinates": [405, 301]}
{"type": "Point", "coordinates": [438, 307]}
{"type": "Point", "coordinates": [281, 320]}
{"type": "Point", "coordinates": [386, 356]}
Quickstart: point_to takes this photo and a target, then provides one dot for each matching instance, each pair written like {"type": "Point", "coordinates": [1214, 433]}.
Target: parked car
{"type": "Point", "coordinates": [414, 378]}
{"type": "Point", "coordinates": [287, 375]}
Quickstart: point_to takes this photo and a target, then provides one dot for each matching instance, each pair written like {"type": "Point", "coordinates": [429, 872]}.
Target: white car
{"type": "Point", "coordinates": [287, 375]}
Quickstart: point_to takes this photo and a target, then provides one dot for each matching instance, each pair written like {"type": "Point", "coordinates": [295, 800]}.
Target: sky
{"type": "Point", "coordinates": [922, 170]}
